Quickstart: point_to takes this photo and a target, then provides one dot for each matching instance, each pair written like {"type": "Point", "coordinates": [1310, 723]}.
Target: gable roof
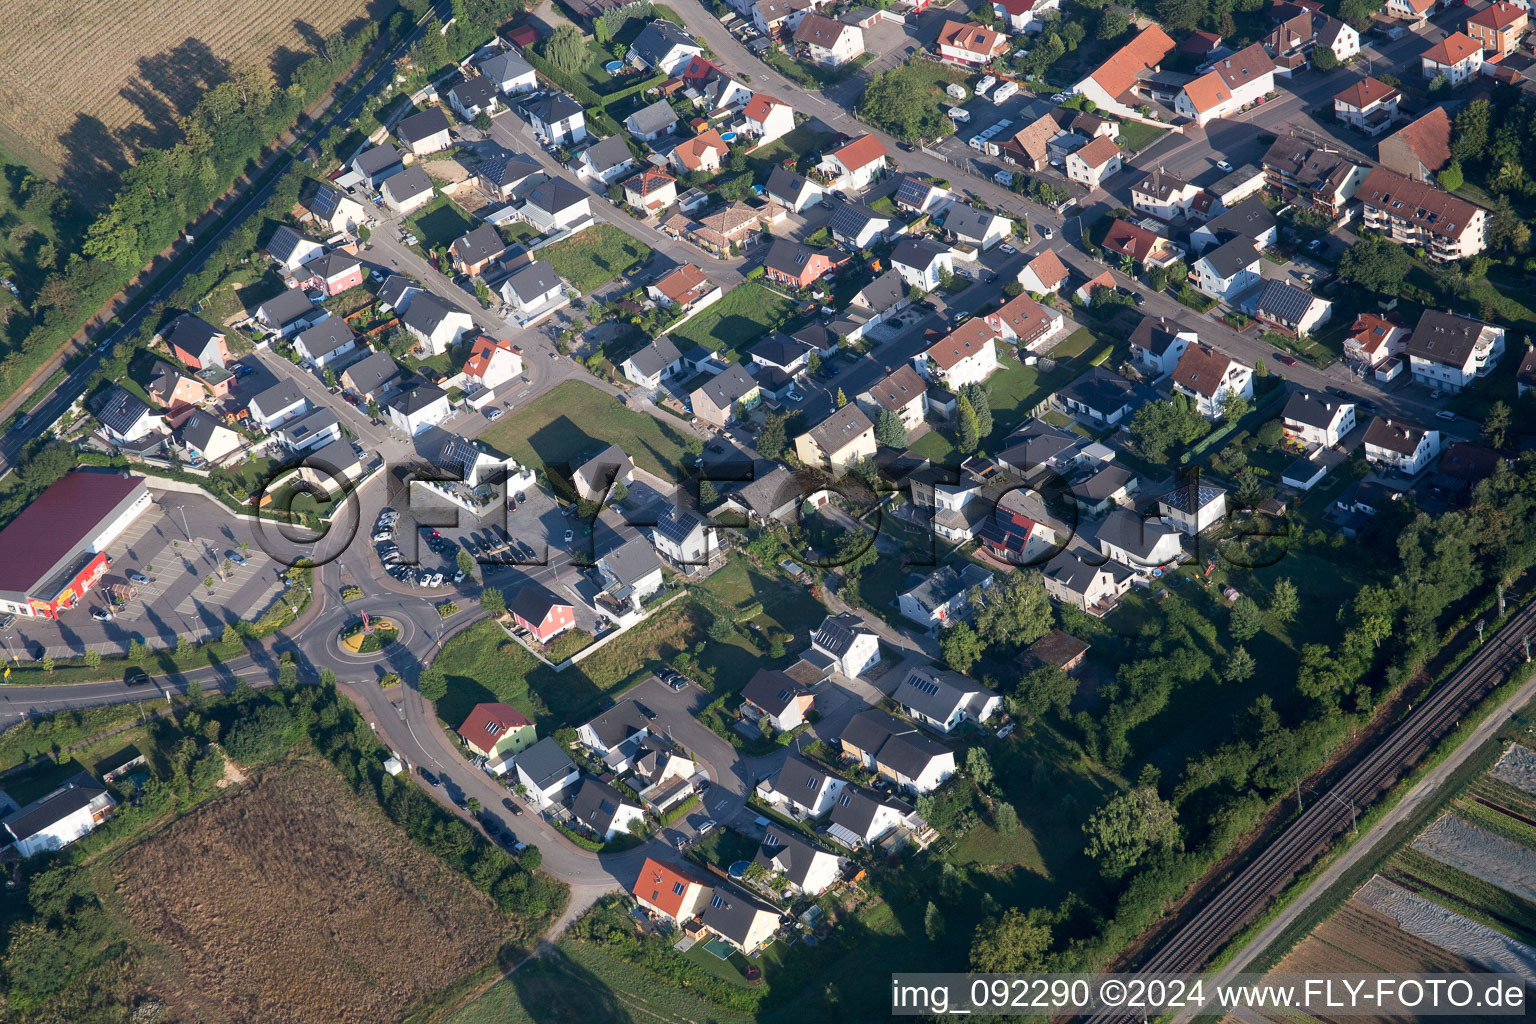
{"type": "Point", "coordinates": [284, 242]}
{"type": "Point", "coordinates": [678, 523]}
{"type": "Point", "coordinates": [533, 281]}
{"type": "Point", "coordinates": [1365, 92]}
{"type": "Point", "coordinates": [378, 158]}
{"type": "Point", "coordinates": [1394, 435]}
{"type": "Point", "coordinates": [326, 337]}
{"type": "Point", "coordinates": [556, 196]}
{"type": "Point", "coordinates": [655, 357]}
{"type": "Point", "coordinates": [1231, 256]}
{"type": "Point", "coordinates": [1498, 15]}
{"type": "Point", "coordinates": [418, 397]}
{"type": "Point", "coordinates": [1428, 138]}
{"type": "Point", "coordinates": [1444, 338]}
{"type": "Point", "coordinates": [488, 723]}
{"type": "Point", "coordinates": [545, 763]}
{"type": "Point", "coordinates": [609, 153]}
{"type": "Point", "coordinates": [1453, 49]}
{"type": "Point", "coordinates": [771, 690]}
{"type": "Point", "coordinates": [1191, 497]}
{"type": "Point", "coordinates": [278, 397]}
{"type": "Point", "coordinates": [597, 804]}
{"type": "Point", "coordinates": [968, 35]}
{"type": "Point", "coordinates": [550, 107]}
{"type": "Point", "coordinates": [650, 120]}
{"type": "Point", "coordinates": [1156, 334]}
{"type": "Point", "coordinates": [1143, 53]}
{"type": "Point", "coordinates": [428, 312]}
{"type": "Point", "coordinates": [966, 221]}
{"type": "Point", "coordinates": [840, 429]}
{"type": "Point", "coordinates": [1099, 152]}
{"type": "Point", "coordinates": [1434, 210]}
{"type": "Point", "coordinates": [1202, 369]}
{"type": "Point", "coordinates": [474, 91]}
{"type": "Point", "coordinates": [1248, 219]}
{"type": "Point", "coordinates": [817, 30]}
{"type": "Point", "coordinates": [1048, 267]}
{"type": "Point", "coordinates": [856, 810]}
{"type": "Point", "coordinates": [1106, 391]}
{"type": "Point", "coordinates": [936, 694]}
{"type": "Point", "coordinates": [1024, 316]}
{"type": "Point", "coordinates": [76, 793]}
{"type": "Point", "coordinates": [658, 39]}
{"type": "Point", "coordinates": [664, 886]}
{"type": "Point", "coordinates": [963, 342]}
{"type": "Point", "coordinates": [732, 913]}
{"type": "Point", "coordinates": [1218, 85]}
{"type": "Point", "coordinates": [945, 584]}
{"type": "Point", "coordinates": [421, 126]}
{"type": "Point", "coordinates": [837, 633]}
{"type": "Point", "coordinates": [785, 184]}
{"type": "Point", "coordinates": [802, 781]}
{"type": "Point", "coordinates": [532, 603]}
{"type": "Point", "coordinates": [1312, 409]}
{"type": "Point", "coordinates": [408, 184]}
{"type": "Point", "coordinates": [899, 389]}
{"type": "Point", "coordinates": [372, 371]}
{"type": "Point", "coordinates": [1129, 239]}
{"type": "Point", "coordinates": [859, 152]}
{"type": "Point", "coordinates": [852, 218]}
{"type": "Point", "coordinates": [788, 853]}
{"type": "Point", "coordinates": [506, 66]}
{"type": "Point", "coordinates": [1284, 302]}
{"type": "Point", "coordinates": [122, 411]}
{"type": "Point", "coordinates": [482, 351]}
{"type": "Point", "coordinates": [761, 106]}
{"type": "Point", "coordinates": [918, 253]}
{"type": "Point", "coordinates": [292, 304]}
{"type": "Point", "coordinates": [618, 724]}
{"type": "Point", "coordinates": [691, 152]}
{"type": "Point", "coordinates": [728, 386]}
{"type": "Point", "coordinates": [478, 244]}
{"type": "Point", "coordinates": [1130, 532]}
{"type": "Point", "coordinates": [882, 293]}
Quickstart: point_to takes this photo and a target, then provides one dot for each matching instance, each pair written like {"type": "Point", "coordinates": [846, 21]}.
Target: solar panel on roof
{"type": "Point", "coordinates": [926, 686]}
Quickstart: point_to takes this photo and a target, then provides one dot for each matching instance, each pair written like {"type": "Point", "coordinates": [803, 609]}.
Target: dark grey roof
{"type": "Point", "coordinates": [917, 252]}
{"type": "Point", "coordinates": [785, 184]}
{"type": "Point", "coordinates": [777, 350]}
{"type": "Point", "coordinates": [1035, 443]}
{"type": "Point", "coordinates": [855, 809]}
{"type": "Point", "coordinates": [556, 195]}
{"type": "Point", "coordinates": [655, 357]}
{"type": "Point", "coordinates": [421, 126]}
{"type": "Point", "coordinates": [657, 117]}
{"type": "Point", "coordinates": [313, 422]}
{"type": "Point", "coordinates": [197, 432]}
{"type": "Point", "coordinates": [545, 763]}
{"type": "Point", "coordinates": [837, 633]}
{"type": "Point", "coordinates": [841, 428]}
{"type": "Point", "coordinates": [1230, 257]}
{"type": "Point", "coordinates": [1129, 532]}
{"type": "Point", "coordinates": [479, 244]}
{"type": "Point", "coordinates": [379, 158]}
{"type": "Point", "coordinates": [611, 152]}
{"type": "Point", "coordinates": [658, 39]}
{"type": "Point", "coordinates": [913, 191]}
{"type": "Point", "coordinates": [771, 690]}
{"type": "Point", "coordinates": [1077, 575]}
{"type": "Point", "coordinates": [504, 67]}
{"type": "Point", "coordinates": [608, 465]}
{"type": "Point", "coordinates": [284, 309]}
{"type": "Point", "coordinates": [331, 264]}
{"type": "Point", "coordinates": [968, 221]}
{"type": "Point", "coordinates": [1191, 497]}
{"type": "Point", "coordinates": [277, 397]}
{"type": "Point", "coordinates": [945, 583]}
{"type": "Point", "coordinates": [459, 456]}
{"type": "Point", "coordinates": [1156, 334]}
{"type": "Point", "coordinates": [373, 371]}
{"type": "Point", "coordinates": [596, 804]}
{"type": "Point", "coordinates": [618, 724]}
{"type": "Point", "coordinates": [323, 201]}
{"type": "Point", "coordinates": [408, 184]}
{"type": "Point", "coordinates": [771, 488]}
{"type": "Point", "coordinates": [883, 292]}
{"type": "Point", "coordinates": [630, 562]}
{"type": "Point", "coordinates": [283, 243]}
{"type": "Point", "coordinates": [395, 290]}
{"type": "Point", "coordinates": [935, 694]}
{"type": "Point", "coordinates": [121, 412]}
{"type": "Point", "coordinates": [1444, 338]}
{"type": "Point", "coordinates": [324, 338]}
{"type": "Point", "coordinates": [1102, 484]}
{"type": "Point", "coordinates": [192, 333]}
{"type": "Point", "coordinates": [427, 312]}
{"type": "Point", "coordinates": [475, 91]}
{"type": "Point", "coordinates": [78, 792]}
{"type": "Point", "coordinates": [532, 603]}
{"type": "Point", "coordinates": [1394, 435]}
{"type": "Point", "coordinates": [1248, 219]}
{"type": "Point", "coordinates": [551, 107]}
{"type": "Point", "coordinates": [893, 742]}
{"type": "Point", "coordinates": [335, 456]}
{"type": "Point", "coordinates": [1106, 392]}
{"type": "Point", "coordinates": [851, 218]}
{"type": "Point", "coordinates": [731, 912]}
{"type": "Point", "coordinates": [787, 257]}
{"type": "Point", "coordinates": [534, 281]}
{"type": "Point", "coordinates": [417, 398]}
{"type": "Point", "coordinates": [1283, 302]}
{"type": "Point", "coordinates": [678, 523]}
{"type": "Point", "coordinates": [1312, 409]}
{"type": "Point", "coordinates": [786, 852]}
{"type": "Point", "coordinates": [507, 169]}
{"type": "Point", "coordinates": [728, 386]}
{"type": "Point", "coordinates": [801, 781]}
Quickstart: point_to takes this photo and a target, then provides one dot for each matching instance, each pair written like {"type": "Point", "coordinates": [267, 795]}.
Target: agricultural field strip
{"type": "Point", "coordinates": [1517, 767]}
{"type": "Point", "coordinates": [1480, 853]}
{"type": "Point", "coordinates": [1449, 930]}
{"type": "Point", "coordinates": [1466, 894]}
{"type": "Point", "coordinates": [1359, 939]}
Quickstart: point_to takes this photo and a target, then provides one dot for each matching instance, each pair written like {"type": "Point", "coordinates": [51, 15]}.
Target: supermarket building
{"type": "Point", "coordinates": [55, 551]}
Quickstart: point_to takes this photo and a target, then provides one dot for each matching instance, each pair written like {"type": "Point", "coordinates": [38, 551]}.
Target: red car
{"type": "Point", "coordinates": [1287, 360]}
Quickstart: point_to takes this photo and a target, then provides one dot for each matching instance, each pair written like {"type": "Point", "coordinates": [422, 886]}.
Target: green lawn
{"type": "Point", "coordinates": [803, 141]}
{"type": "Point", "coordinates": [745, 314]}
{"type": "Point", "coordinates": [1015, 390]}
{"type": "Point", "coordinates": [576, 420]}
{"type": "Point", "coordinates": [1136, 136]}
{"type": "Point", "coordinates": [39, 779]}
{"type": "Point", "coordinates": [439, 223]}
{"type": "Point", "coordinates": [595, 256]}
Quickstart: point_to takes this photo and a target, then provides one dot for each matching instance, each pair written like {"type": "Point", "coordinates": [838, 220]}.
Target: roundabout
{"type": "Point", "coordinates": [369, 638]}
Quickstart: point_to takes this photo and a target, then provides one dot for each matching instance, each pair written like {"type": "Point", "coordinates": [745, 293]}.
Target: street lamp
{"type": "Point", "coordinates": [185, 529]}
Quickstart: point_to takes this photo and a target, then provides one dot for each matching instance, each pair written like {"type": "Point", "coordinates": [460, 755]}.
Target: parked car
{"type": "Point", "coordinates": [1445, 414]}
{"type": "Point", "coordinates": [101, 615]}
{"type": "Point", "coordinates": [494, 414]}
{"type": "Point", "coordinates": [136, 677]}
{"type": "Point", "coordinates": [707, 827]}
{"type": "Point", "coordinates": [1010, 250]}
{"type": "Point", "coordinates": [570, 535]}
{"type": "Point", "coordinates": [1281, 357]}
{"type": "Point", "coordinates": [236, 557]}
{"type": "Point", "coordinates": [1046, 232]}
{"type": "Point", "coordinates": [1224, 166]}
{"type": "Point", "coordinates": [138, 577]}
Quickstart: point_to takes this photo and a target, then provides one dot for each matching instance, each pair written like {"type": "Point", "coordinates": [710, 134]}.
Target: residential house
{"type": "Point", "coordinates": [1208, 376]}
{"type": "Point", "coordinates": [1456, 57]}
{"type": "Point", "coordinates": [1193, 507]}
{"type": "Point", "coordinates": [797, 266]}
{"type": "Point", "coordinates": [476, 250]}
{"type": "Point", "coordinates": [196, 343]}
{"type": "Point", "coordinates": [1376, 337]}
{"type": "Point", "coordinates": [408, 191]}
{"type": "Point", "coordinates": [716, 400]}
{"type": "Point", "coordinates": [1284, 306]}
{"type": "Point", "coordinates": [1109, 488]}
{"type": "Point", "coordinates": [903, 393]}
{"type": "Point", "coordinates": [808, 870]}
{"type": "Point", "coordinates": [1228, 270]}
{"type": "Point", "coordinates": [663, 47]}
{"type": "Point", "coordinates": [768, 119]}
{"type": "Point", "coordinates": [685, 539]}
{"type": "Point", "coordinates": [670, 892]}
{"type": "Point", "coordinates": [1092, 163]}
{"type": "Point", "coordinates": [474, 96]}
{"type": "Point", "coordinates": [970, 44]}
{"type": "Point", "coordinates": [1414, 11]}
{"type": "Point", "coordinates": [497, 732]}
{"type": "Point", "coordinates": [434, 323]}
{"type": "Point", "coordinates": [1249, 219]}
{"type": "Point", "coordinates": [277, 405]}
{"type": "Point", "coordinates": [378, 163]}
{"type": "Point", "coordinates": [418, 407]}
{"type": "Point", "coordinates": [372, 376]}
{"type": "Point", "coordinates": [777, 18]}
{"type": "Point", "coordinates": [851, 644]}
{"type": "Point", "coordinates": [423, 133]}
{"type": "Point", "coordinates": [1026, 323]}
{"type": "Point", "coordinates": [534, 288]}
{"type": "Point", "coordinates": [736, 225]}
{"type": "Point", "coordinates": [1037, 447]}
{"type": "Point", "coordinates": [1449, 352]}
{"type": "Point", "coordinates": [1143, 247]}
{"type": "Point", "coordinates": [204, 437]}
{"type": "Point", "coordinates": [1100, 281]}
{"type": "Point", "coordinates": [1044, 274]}
{"type": "Point", "coordinates": [1163, 195]}
{"type": "Point", "coordinates": [1525, 373]}
{"type": "Point", "coordinates": [1016, 532]}
{"type": "Point", "coordinates": [940, 598]}
{"type": "Point", "coordinates": [175, 392]}
{"type": "Point", "coordinates": [541, 613]}
{"type": "Point", "coordinates": [1413, 213]}
{"type": "Point", "coordinates": [555, 205]}
{"type": "Point", "coordinates": [777, 352]}
{"type": "Point", "coordinates": [330, 275]}
{"type": "Point", "coordinates": [966, 355]}
{"type": "Point", "coordinates": [838, 442]}
{"type": "Point", "coordinates": [922, 263]}
{"type": "Point", "coordinates": [289, 312]}
{"type": "Point", "coordinates": [1102, 397]}
{"type": "Point", "coordinates": [1139, 543]}
{"type": "Point", "coordinates": [1421, 149]}
{"type": "Point", "coordinates": [1297, 35]}
{"type": "Point", "coordinates": [896, 751]}
{"type": "Point", "coordinates": [977, 228]}
{"type": "Point", "coordinates": [738, 920]}
{"type": "Point", "coordinates": [771, 493]}
{"type": "Point", "coordinates": [1157, 344]}
{"type": "Point", "coordinates": [1369, 105]}
{"type": "Point", "coordinates": [1233, 83]}
{"type": "Point", "coordinates": [1405, 447]}
{"type": "Point", "coordinates": [857, 226]}
{"type": "Point", "coordinates": [510, 175]}
{"type": "Point", "coordinates": [803, 789]}
{"type": "Point", "coordinates": [1317, 419]}
{"type": "Point", "coordinates": [597, 476]}
{"type": "Point", "coordinates": [652, 122]}
{"type": "Point", "coordinates": [603, 811]}
{"type": "Point", "coordinates": [545, 772]}
{"type": "Point", "coordinates": [1498, 28]}
{"type": "Point", "coordinates": [616, 734]}
{"type": "Point", "coordinates": [656, 361]}
{"type": "Point", "coordinates": [1095, 589]}
{"type": "Point", "coordinates": [917, 195]}
{"type": "Point", "coordinates": [332, 208]}
{"type": "Point", "coordinates": [125, 418]}
{"type": "Point", "coordinates": [1312, 177]}
{"type": "Point", "coordinates": [309, 432]}
{"type": "Point", "coordinates": [70, 812]}
{"type": "Point", "coordinates": [876, 303]}
{"type": "Point", "coordinates": [557, 118]}
{"type": "Point", "coordinates": [702, 154]}
{"type": "Point", "coordinates": [1112, 85]}
{"type": "Point", "coordinates": [828, 42]}
{"type": "Point", "coordinates": [1056, 649]}
{"type": "Point", "coordinates": [774, 697]}
{"type": "Point", "coordinates": [855, 165]}
{"type": "Point", "coordinates": [1024, 15]}
{"type": "Point", "coordinates": [291, 250]}
{"type": "Point", "coordinates": [650, 191]}
{"type": "Point", "coordinates": [860, 818]}
{"type": "Point", "coordinates": [606, 161]}
{"type": "Point", "coordinates": [629, 574]}
{"type": "Point", "coordinates": [325, 343]}
{"type": "Point", "coordinates": [944, 700]}
{"type": "Point", "coordinates": [510, 73]}
{"type": "Point", "coordinates": [684, 290]}
{"type": "Point", "coordinates": [492, 362]}
{"type": "Point", "coordinates": [792, 191]}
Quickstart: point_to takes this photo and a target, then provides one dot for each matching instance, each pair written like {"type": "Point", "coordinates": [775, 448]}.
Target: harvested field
{"type": "Point", "coordinates": [1517, 766]}
{"type": "Point", "coordinates": [290, 900]}
{"type": "Point", "coordinates": [85, 87]}
{"type": "Point", "coordinates": [1434, 923]}
{"type": "Point", "coordinates": [1480, 853]}
{"type": "Point", "coordinates": [1360, 940]}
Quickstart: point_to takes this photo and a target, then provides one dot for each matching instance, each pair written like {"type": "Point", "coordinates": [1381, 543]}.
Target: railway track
{"type": "Point", "coordinates": [1330, 813]}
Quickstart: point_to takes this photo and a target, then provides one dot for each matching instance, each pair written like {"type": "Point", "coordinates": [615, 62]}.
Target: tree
{"type": "Point", "coordinates": [721, 629]}
{"type": "Point", "coordinates": [1496, 425]}
{"type": "Point", "coordinates": [1113, 24]}
{"type": "Point", "coordinates": [1159, 427]}
{"type": "Point", "coordinates": [195, 696]}
{"type": "Point", "coordinates": [981, 404]}
{"type": "Point", "coordinates": [1451, 178]}
{"type": "Point", "coordinates": [565, 49]}
{"type": "Point", "coordinates": [813, 363]}
{"type": "Point", "coordinates": [373, 408]}
{"type": "Point", "coordinates": [967, 435]}
{"type": "Point", "coordinates": [1157, 278]}
{"type": "Point", "coordinates": [230, 640]}
{"type": "Point", "coordinates": [1010, 944]}
{"type": "Point", "coordinates": [1179, 16]}
{"type": "Point", "coordinates": [979, 767]}
{"type": "Point", "coordinates": [1375, 264]}
{"type": "Point", "coordinates": [1259, 369]}
{"type": "Point", "coordinates": [465, 562]}
{"type": "Point", "coordinates": [961, 646]}
{"type": "Point", "coordinates": [1249, 490]}
{"type": "Point", "coordinates": [1240, 666]}
{"type": "Point", "coordinates": [1015, 611]}
{"type": "Point", "coordinates": [1127, 828]}
{"type": "Point", "coordinates": [1004, 818]}
{"type": "Point", "coordinates": [933, 923]}
{"type": "Point", "coordinates": [1284, 603]}
{"type": "Point", "coordinates": [1234, 406]}
{"type": "Point", "coordinates": [48, 664]}
{"type": "Point", "coordinates": [493, 601]}
{"type": "Point", "coordinates": [92, 658]}
{"type": "Point", "coordinates": [618, 492]}
{"type": "Point", "coordinates": [1043, 689]}
{"type": "Point", "coordinates": [889, 430]}
{"type": "Point", "coordinates": [1245, 620]}
{"type": "Point", "coordinates": [473, 806]}
{"type": "Point", "coordinates": [482, 121]}
{"type": "Point", "coordinates": [842, 399]}
{"type": "Point", "coordinates": [483, 293]}
{"type": "Point", "coordinates": [184, 645]}
{"type": "Point", "coordinates": [771, 439]}
{"type": "Point", "coordinates": [433, 683]}
{"type": "Point", "coordinates": [708, 495]}
{"type": "Point", "coordinates": [737, 189]}
{"type": "Point", "coordinates": [1471, 132]}
{"type": "Point", "coordinates": [1323, 59]}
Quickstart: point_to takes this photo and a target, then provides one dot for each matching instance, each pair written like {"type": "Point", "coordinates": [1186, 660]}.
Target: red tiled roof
{"type": "Point", "coordinates": [1099, 152]}
{"type": "Point", "coordinates": [481, 352]}
{"type": "Point", "coordinates": [1422, 204]}
{"type": "Point", "coordinates": [1453, 49]}
{"type": "Point", "coordinates": [658, 883]}
{"type": "Point", "coordinates": [1371, 330]}
{"type": "Point", "coordinates": [1048, 268]}
{"type": "Point", "coordinates": [488, 723]}
{"type": "Point", "coordinates": [1365, 92]}
{"type": "Point", "coordinates": [1429, 138]}
{"type": "Point", "coordinates": [1498, 16]}
{"type": "Point", "coordinates": [679, 284]}
{"type": "Point", "coordinates": [1104, 280]}
{"type": "Point", "coordinates": [1143, 53]}
{"type": "Point", "coordinates": [760, 106]}
{"type": "Point", "coordinates": [966, 340]}
{"type": "Point", "coordinates": [864, 150]}
{"type": "Point", "coordinates": [648, 181]}
{"type": "Point", "coordinates": [967, 35]}
{"type": "Point", "coordinates": [1129, 239]}
{"type": "Point", "coordinates": [1201, 369]}
{"type": "Point", "coordinates": [1024, 316]}
{"type": "Point", "coordinates": [1218, 85]}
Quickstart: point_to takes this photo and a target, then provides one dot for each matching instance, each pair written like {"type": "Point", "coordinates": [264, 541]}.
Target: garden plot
{"type": "Point", "coordinates": [1449, 930]}
{"type": "Point", "coordinates": [1517, 767]}
{"type": "Point", "coordinates": [1480, 853]}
